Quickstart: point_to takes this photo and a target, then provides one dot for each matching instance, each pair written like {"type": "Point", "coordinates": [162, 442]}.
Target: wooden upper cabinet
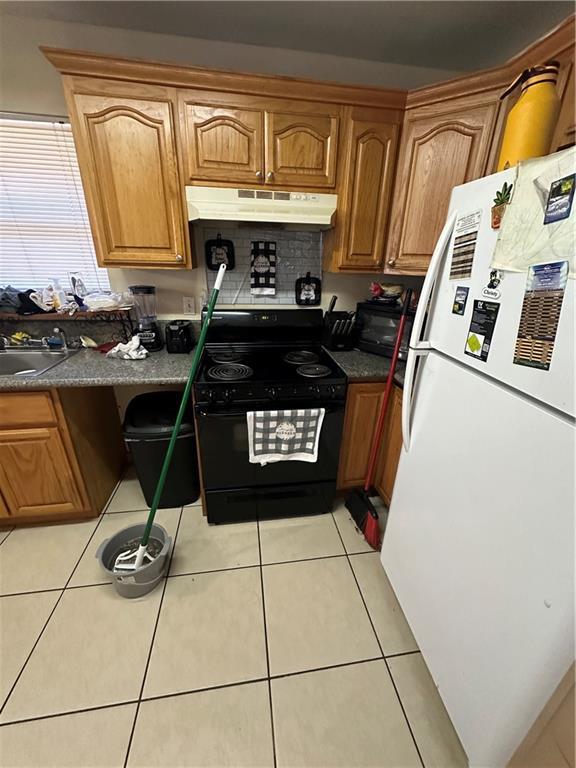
{"type": "Point", "coordinates": [301, 146]}
{"type": "Point", "coordinates": [366, 189]}
{"type": "Point", "coordinates": [443, 145]}
{"type": "Point", "coordinates": [223, 142]}
{"type": "Point", "coordinates": [128, 161]}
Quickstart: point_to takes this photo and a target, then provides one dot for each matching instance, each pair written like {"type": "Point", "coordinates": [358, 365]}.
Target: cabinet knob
{"type": "Point", "coordinates": [179, 257]}
{"type": "Point", "coordinates": [391, 262]}
{"type": "Point", "coordinates": [259, 175]}
{"type": "Point", "coordinates": [269, 175]}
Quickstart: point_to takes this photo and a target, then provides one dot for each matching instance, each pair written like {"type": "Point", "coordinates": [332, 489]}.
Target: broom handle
{"type": "Point", "coordinates": [386, 398]}
{"type": "Point", "coordinates": [183, 403]}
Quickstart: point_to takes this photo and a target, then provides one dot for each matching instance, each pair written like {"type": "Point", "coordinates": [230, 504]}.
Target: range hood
{"type": "Point", "coordinates": [263, 205]}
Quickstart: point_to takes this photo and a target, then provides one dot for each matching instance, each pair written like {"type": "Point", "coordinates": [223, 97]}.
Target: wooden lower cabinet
{"type": "Point", "coordinates": [36, 476]}
{"type": "Point", "coordinates": [46, 473]}
{"type": "Point", "coordinates": [390, 449]}
{"type": "Point", "coordinates": [362, 406]}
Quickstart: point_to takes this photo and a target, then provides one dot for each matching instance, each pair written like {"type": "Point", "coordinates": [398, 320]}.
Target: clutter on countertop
{"type": "Point", "coordinates": [386, 292]}
{"type": "Point", "coordinates": [133, 350]}
{"type": "Point", "coordinates": [339, 330]}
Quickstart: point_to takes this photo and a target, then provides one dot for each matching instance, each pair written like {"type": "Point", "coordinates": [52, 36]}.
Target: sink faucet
{"type": "Point", "coordinates": [58, 333]}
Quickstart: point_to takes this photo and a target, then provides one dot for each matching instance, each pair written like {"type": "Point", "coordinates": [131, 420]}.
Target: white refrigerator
{"type": "Point", "coordinates": [479, 543]}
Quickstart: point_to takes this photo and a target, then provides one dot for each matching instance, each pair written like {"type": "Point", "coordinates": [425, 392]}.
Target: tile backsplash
{"type": "Point", "coordinates": [297, 252]}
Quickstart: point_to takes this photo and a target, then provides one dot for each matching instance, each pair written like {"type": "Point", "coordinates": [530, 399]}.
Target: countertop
{"type": "Point", "coordinates": [88, 368]}
{"type": "Point", "coordinates": [363, 366]}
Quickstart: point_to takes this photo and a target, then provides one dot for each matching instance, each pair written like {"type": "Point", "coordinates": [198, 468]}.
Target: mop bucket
{"type": "Point", "coordinates": [142, 580]}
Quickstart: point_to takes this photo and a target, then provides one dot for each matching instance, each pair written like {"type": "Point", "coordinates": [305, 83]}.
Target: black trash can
{"type": "Point", "coordinates": [148, 425]}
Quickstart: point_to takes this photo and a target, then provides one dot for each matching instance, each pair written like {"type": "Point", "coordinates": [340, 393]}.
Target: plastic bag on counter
{"type": "Point", "coordinates": [102, 300]}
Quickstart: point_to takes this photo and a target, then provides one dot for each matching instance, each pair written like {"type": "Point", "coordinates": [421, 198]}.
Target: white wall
{"type": "Point", "coordinates": [30, 85]}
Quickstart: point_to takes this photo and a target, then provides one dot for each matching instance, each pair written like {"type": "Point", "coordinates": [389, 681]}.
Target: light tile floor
{"type": "Point", "coordinates": [278, 643]}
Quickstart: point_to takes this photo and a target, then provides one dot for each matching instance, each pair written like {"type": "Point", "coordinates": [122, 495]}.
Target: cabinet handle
{"type": "Point", "coordinates": [392, 261]}
{"type": "Point", "coordinates": [259, 175]}
{"type": "Point", "coordinates": [269, 175]}
{"type": "Point", "coordinates": [178, 257]}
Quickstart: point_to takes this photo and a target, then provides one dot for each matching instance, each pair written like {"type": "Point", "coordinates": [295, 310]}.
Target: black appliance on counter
{"type": "Point", "coordinates": [377, 326]}
{"type": "Point", "coordinates": [179, 336]}
{"type": "Point", "coordinates": [265, 360]}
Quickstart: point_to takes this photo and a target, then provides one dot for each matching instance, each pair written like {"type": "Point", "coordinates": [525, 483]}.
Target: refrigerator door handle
{"type": "Point", "coordinates": [413, 355]}
{"type": "Point", "coordinates": [430, 279]}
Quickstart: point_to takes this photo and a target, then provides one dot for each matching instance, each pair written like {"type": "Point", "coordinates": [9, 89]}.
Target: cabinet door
{"type": "Point", "coordinates": [443, 145]}
{"type": "Point", "coordinates": [390, 449]}
{"type": "Point", "coordinates": [127, 156]}
{"type": "Point", "coordinates": [362, 405]}
{"type": "Point", "coordinates": [222, 142]}
{"type": "Point", "coordinates": [301, 147]}
{"type": "Point", "coordinates": [35, 475]}
{"type": "Point", "coordinates": [366, 195]}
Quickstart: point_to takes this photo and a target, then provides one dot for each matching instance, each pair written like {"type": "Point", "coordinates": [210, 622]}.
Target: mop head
{"type": "Point", "coordinates": [365, 516]}
{"type": "Point", "coordinates": [125, 560]}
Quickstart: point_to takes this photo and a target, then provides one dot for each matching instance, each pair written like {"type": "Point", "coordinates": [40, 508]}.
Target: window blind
{"type": "Point", "coordinates": [44, 228]}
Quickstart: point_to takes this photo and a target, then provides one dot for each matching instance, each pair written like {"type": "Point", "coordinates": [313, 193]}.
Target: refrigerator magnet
{"type": "Point", "coordinates": [481, 329]}
{"type": "Point", "coordinates": [560, 198]}
{"type": "Point", "coordinates": [541, 308]}
{"type": "Point", "coordinates": [465, 236]}
{"type": "Point", "coordinates": [460, 299]}
{"type": "Point", "coordinates": [491, 291]}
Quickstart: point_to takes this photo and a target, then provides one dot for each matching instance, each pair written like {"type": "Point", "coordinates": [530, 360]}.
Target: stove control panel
{"type": "Point", "coordinates": [273, 393]}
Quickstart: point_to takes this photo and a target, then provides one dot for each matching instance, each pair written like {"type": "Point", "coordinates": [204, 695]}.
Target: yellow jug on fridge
{"type": "Point", "coordinates": [531, 121]}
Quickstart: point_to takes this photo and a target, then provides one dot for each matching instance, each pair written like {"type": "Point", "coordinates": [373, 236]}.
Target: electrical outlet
{"type": "Point", "coordinates": [188, 305]}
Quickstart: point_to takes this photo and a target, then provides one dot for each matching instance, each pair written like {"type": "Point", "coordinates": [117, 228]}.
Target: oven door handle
{"type": "Point", "coordinates": [203, 414]}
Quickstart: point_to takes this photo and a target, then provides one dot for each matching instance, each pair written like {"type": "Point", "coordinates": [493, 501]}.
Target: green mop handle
{"type": "Point", "coordinates": [183, 403]}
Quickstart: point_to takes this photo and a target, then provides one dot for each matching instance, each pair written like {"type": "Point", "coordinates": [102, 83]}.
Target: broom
{"type": "Point", "coordinates": [358, 502]}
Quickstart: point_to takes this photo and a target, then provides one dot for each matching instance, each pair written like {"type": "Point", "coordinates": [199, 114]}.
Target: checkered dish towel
{"type": "Point", "coordinates": [290, 435]}
{"type": "Point", "coordinates": [263, 268]}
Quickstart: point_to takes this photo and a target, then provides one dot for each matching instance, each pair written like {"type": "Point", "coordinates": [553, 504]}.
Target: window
{"type": "Point", "coordinates": [44, 228]}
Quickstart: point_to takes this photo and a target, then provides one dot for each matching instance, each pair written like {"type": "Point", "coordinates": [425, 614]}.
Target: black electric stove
{"type": "Point", "coordinates": [260, 360]}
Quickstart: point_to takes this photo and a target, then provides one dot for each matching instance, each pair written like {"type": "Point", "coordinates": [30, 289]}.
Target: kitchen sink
{"type": "Point", "coordinates": [30, 362]}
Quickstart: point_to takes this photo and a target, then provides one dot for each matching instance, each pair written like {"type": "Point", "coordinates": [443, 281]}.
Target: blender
{"type": "Point", "coordinates": [148, 329]}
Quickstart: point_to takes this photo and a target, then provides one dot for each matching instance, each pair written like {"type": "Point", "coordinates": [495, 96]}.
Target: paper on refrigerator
{"type": "Point", "coordinates": [524, 238]}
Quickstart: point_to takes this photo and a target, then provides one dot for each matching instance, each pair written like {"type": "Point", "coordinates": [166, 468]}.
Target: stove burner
{"type": "Point", "coordinates": [300, 356]}
{"type": "Point", "coordinates": [226, 356]}
{"type": "Point", "coordinates": [230, 372]}
{"type": "Point", "coordinates": [313, 371]}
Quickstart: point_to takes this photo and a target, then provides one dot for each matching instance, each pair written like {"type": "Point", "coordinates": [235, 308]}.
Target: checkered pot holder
{"type": "Point", "coordinates": [290, 435]}
{"type": "Point", "coordinates": [263, 268]}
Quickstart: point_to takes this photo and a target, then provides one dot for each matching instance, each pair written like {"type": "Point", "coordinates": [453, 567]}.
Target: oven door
{"type": "Point", "coordinates": [223, 443]}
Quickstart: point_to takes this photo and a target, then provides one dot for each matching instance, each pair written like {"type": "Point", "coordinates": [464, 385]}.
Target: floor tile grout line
{"type": "Point", "coordinates": [383, 656]}
{"type": "Point", "coordinates": [5, 537]}
{"type": "Point", "coordinates": [49, 617]}
{"type": "Point", "coordinates": [323, 669]}
{"type": "Point", "coordinates": [192, 691]}
{"type": "Point", "coordinates": [52, 715]}
{"type": "Point", "coordinates": [273, 735]}
{"type": "Point", "coordinates": [164, 586]}
{"type": "Point", "coordinates": [32, 592]}
{"type": "Point", "coordinates": [403, 653]}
